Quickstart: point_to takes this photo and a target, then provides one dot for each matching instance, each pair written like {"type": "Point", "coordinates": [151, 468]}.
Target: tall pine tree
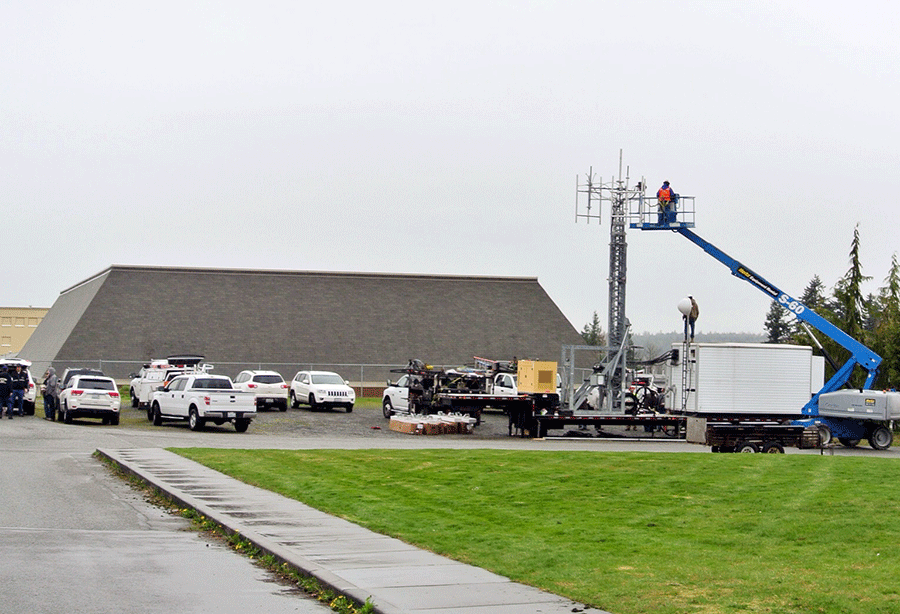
{"type": "Point", "coordinates": [778, 329]}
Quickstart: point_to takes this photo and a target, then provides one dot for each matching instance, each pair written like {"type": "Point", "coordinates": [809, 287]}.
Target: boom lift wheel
{"type": "Point", "coordinates": [824, 434]}
{"type": "Point", "coordinates": [881, 438]}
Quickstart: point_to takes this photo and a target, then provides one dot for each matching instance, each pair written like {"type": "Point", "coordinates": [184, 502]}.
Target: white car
{"type": "Point", "coordinates": [321, 389]}
{"type": "Point", "coordinates": [90, 396]}
{"type": "Point", "coordinates": [268, 386]}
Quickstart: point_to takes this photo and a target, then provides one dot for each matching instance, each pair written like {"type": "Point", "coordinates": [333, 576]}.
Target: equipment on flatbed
{"type": "Point", "coordinates": [832, 415]}
{"type": "Point", "coordinates": [469, 390]}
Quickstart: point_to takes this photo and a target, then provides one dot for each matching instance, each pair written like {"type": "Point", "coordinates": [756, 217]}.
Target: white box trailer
{"type": "Point", "coordinates": [746, 378]}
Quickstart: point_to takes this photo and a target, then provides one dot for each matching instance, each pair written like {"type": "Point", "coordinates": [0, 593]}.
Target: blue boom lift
{"type": "Point", "coordinates": [848, 414]}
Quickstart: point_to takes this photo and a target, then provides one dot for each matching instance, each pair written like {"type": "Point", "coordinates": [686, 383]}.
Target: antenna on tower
{"type": "Point", "coordinates": [618, 194]}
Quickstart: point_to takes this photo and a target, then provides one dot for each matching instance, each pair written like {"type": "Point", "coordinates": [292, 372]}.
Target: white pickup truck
{"type": "Point", "coordinates": [158, 372]}
{"type": "Point", "coordinates": [200, 398]}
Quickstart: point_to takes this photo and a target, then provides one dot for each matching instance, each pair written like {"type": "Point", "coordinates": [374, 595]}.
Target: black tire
{"type": "Point", "coordinates": [715, 449]}
{"type": "Point", "coordinates": [114, 420]}
{"type": "Point", "coordinates": [149, 413]}
{"type": "Point", "coordinates": [241, 426]}
{"type": "Point", "coordinates": [881, 438]}
{"type": "Point", "coordinates": [849, 442]}
{"type": "Point", "coordinates": [66, 417]}
{"type": "Point", "coordinates": [312, 401]}
{"type": "Point", "coordinates": [387, 409]}
{"type": "Point", "coordinates": [282, 405]}
{"type": "Point", "coordinates": [134, 400]}
{"type": "Point", "coordinates": [746, 447]}
{"type": "Point", "coordinates": [631, 404]}
{"type": "Point", "coordinates": [104, 420]}
{"type": "Point", "coordinates": [349, 408]}
{"type": "Point", "coordinates": [157, 415]}
{"type": "Point", "coordinates": [773, 447]}
{"type": "Point", "coordinates": [294, 402]}
{"type": "Point", "coordinates": [195, 422]}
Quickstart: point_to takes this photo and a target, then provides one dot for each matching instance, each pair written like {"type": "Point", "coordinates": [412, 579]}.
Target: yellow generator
{"type": "Point", "coordinates": [537, 377]}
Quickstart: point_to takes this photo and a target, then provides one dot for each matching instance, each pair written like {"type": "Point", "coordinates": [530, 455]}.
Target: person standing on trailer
{"type": "Point", "coordinates": [690, 318]}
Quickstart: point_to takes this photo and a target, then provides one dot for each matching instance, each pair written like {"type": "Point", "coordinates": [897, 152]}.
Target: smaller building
{"type": "Point", "coordinates": [16, 326]}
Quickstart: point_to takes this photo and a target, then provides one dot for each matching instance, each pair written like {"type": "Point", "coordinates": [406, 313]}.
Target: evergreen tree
{"type": "Point", "coordinates": [813, 297]}
{"type": "Point", "coordinates": [778, 329]}
{"type": "Point", "coordinates": [886, 336]}
{"type": "Point", "coordinates": [848, 293]}
{"type": "Point", "coordinates": [592, 333]}
{"type": "Point", "coordinates": [849, 307]}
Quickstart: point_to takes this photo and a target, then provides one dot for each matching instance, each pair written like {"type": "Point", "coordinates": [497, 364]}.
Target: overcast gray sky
{"type": "Point", "coordinates": [445, 138]}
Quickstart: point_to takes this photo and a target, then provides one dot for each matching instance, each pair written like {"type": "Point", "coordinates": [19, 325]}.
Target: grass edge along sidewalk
{"type": "Point", "coordinates": [623, 532]}
{"type": "Point", "coordinates": [313, 586]}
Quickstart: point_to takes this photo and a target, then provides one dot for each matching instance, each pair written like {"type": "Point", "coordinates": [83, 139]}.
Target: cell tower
{"type": "Point", "coordinates": [617, 193]}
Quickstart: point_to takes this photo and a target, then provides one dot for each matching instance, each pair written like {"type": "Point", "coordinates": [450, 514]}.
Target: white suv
{"type": "Point", "coordinates": [321, 389]}
{"type": "Point", "coordinates": [268, 386]}
{"type": "Point", "coordinates": [90, 396]}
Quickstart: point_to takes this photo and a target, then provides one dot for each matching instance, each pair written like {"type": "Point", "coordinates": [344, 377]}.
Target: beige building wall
{"type": "Point", "coordinates": [16, 326]}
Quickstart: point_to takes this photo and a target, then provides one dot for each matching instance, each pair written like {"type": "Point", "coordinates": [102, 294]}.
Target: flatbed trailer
{"type": "Point", "coordinates": [752, 436]}
{"type": "Point", "coordinates": [671, 424]}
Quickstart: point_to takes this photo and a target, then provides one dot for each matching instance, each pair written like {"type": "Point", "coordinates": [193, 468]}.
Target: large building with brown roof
{"type": "Point", "coordinates": [285, 320]}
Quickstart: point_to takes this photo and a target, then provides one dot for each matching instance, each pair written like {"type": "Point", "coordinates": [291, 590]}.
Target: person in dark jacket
{"type": "Point", "coordinates": [18, 383]}
{"type": "Point", "coordinates": [50, 399]}
{"type": "Point", "coordinates": [4, 391]}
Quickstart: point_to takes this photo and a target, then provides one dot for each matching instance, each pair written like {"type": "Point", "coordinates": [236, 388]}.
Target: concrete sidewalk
{"type": "Point", "coordinates": [397, 577]}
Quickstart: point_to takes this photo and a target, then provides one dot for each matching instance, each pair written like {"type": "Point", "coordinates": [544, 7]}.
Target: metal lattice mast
{"type": "Point", "coordinates": [618, 194]}
{"type": "Point", "coordinates": [618, 265]}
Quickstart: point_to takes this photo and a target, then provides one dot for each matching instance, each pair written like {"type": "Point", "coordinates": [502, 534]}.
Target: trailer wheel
{"type": "Point", "coordinates": [849, 442]}
{"type": "Point", "coordinates": [881, 438]}
{"type": "Point", "coordinates": [773, 447]}
{"type": "Point", "coordinates": [746, 447]}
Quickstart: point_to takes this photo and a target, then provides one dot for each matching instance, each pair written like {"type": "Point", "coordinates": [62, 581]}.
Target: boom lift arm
{"type": "Point", "coordinates": [859, 354]}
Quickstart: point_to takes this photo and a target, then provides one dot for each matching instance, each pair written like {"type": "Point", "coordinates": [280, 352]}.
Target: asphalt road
{"type": "Point", "coordinates": [78, 539]}
{"type": "Point", "coordinates": [75, 538]}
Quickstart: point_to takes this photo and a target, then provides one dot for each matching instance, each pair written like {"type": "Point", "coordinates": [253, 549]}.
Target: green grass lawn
{"type": "Point", "coordinates": [626, 532]}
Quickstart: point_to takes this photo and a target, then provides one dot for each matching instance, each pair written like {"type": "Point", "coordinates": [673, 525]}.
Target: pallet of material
{"type": "Point", "coordinates": [432, 424]}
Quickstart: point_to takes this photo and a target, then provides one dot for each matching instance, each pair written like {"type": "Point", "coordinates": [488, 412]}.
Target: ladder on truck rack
{"type": "Point", "coordinates": [688, 358]}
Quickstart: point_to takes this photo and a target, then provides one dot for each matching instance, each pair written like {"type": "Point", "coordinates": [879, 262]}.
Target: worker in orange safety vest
{"type": "Point", "coordinates": [666, 198]}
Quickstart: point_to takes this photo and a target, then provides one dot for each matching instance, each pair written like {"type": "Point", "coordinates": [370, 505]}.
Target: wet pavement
{"type": "Point", "coordinates": [396, 577]}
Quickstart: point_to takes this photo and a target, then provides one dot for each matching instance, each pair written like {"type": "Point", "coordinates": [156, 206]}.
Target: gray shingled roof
{"type": "Point", "coordinates": [134, 313]}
